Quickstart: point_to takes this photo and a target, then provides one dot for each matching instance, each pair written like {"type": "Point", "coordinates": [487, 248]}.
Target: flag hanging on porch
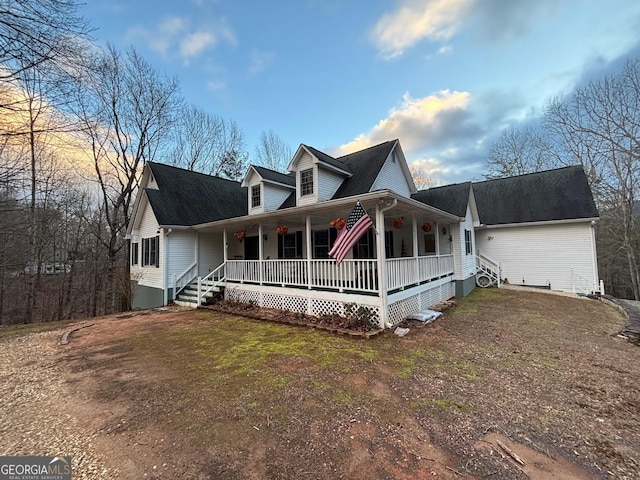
{"type": "Point", "coordinates": [357, 225]}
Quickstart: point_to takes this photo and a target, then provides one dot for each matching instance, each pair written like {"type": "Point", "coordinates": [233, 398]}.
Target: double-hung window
{"type": "Point", "coordinates": [255, 196]}
{"type": "Point", "coordinates": [467, 242]}
{"type": "Point", "coordinates": [306, 182]}
{"type": "Point", "coordinates": [150, 250]}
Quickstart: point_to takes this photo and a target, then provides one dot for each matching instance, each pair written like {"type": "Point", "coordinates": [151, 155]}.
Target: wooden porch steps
{"type": "Point", "coordinates": [188, 297]}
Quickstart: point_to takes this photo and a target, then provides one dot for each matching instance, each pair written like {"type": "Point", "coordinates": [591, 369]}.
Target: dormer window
{"type": "Point", "coordinates": [306, 182]}
{"type": "Point", "coordinates": [255, 196]}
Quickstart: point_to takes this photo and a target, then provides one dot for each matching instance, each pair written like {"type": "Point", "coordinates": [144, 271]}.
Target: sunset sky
{"type": "Point", "coordinates": [443, 76]}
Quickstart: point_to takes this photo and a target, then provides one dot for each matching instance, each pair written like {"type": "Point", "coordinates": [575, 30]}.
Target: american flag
{"type": "Point", "coordinates": [357, 224]}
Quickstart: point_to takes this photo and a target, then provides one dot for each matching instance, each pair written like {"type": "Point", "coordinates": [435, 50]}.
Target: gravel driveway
{"type": "Point", "coordinates": [36, 408]}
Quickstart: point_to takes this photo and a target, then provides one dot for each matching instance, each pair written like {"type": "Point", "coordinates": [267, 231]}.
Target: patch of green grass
{"type": "Point", "coordinates": [480, 297]}
{"type": "Point", "coordinates": [237, 354]}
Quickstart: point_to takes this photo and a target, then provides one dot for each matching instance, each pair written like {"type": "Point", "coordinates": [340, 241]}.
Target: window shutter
{"type": "Point", "coordinates": [157, 242]}
{"type": "Point", "coordinates": [280, 246]}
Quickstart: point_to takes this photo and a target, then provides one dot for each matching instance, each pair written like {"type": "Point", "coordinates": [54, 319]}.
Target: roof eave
{"type": "Point", "coordinates": [541, 222]}
{"type": "Point", "coordinates": [280, 184]}
{"type": "Point", "coordinates": [339, 202]}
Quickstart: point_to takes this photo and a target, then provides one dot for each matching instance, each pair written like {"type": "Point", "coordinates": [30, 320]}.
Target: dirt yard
{"type": "Point", "coordinates": [508, 385]}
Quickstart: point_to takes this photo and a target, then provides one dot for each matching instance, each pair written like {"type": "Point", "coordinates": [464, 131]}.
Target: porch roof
{"type": "Point", "coordinates": [326, 211]}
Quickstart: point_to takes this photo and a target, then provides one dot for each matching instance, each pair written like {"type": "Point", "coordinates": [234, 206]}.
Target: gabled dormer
{"type": "Point", "coordinates": [266, 189]}
{"type": "Point", "coordinates": [381, 167]}
{"type": "Point", "coordinates": [318, 175]}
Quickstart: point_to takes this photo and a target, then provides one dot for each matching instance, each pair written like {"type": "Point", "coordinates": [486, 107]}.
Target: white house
{"type": "Point", "coordinates": [266, 240]}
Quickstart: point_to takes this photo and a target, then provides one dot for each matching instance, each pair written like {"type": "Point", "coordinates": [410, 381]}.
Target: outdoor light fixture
{"type": "Point", "coordinates": [444, 230]}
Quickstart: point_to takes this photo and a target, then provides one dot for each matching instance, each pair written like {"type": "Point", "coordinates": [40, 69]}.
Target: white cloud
{"type": "Point", "coordinates": [216, 85]}
{"type": "Point", "coordinates": [178, 36]}
{"type": "Point", "coordinates": [416, 20]}
{"type": "Point", "coordinates": [446, 133]}
{"type": "Point", "coordinates": [417, 122]}
{"type": "Point", "coordinates": [195, 43]}
{"type": "Point", "coordinates": [259, 61]}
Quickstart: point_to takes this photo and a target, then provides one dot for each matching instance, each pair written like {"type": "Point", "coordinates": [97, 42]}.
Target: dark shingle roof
{"type": "Point", "coordinates": [450, 198]}
{"type": "Point", "coordinates": [323, 157]}
{"type": "Point", "coordinates": [273, 176]}
{"type": "Point", "coordinates": [559, 194]}
{"type": "Point", "coordinates": [365, 166]}
{"type": "Point", "coordinates": [190, 198]}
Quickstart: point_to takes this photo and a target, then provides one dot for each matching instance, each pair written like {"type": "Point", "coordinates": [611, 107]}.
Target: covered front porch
{"type": "Point", "coordinates": [280, 259]}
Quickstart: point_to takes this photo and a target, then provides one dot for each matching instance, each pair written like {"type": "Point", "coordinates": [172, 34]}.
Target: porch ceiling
{"type": "Point", "coordinates": [322, 213]}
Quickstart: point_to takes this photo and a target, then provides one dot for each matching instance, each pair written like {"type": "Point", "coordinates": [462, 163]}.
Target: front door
{"type": "Point", "coordinates": [251, 248]}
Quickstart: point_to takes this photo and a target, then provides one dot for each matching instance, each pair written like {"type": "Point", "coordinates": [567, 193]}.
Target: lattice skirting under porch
{"type": "Point", "coordinates": [421, 300]}
{"type": "Point", "coordinates": [297, 303]}
{"type": "Point", "coordinates": [321, 303]}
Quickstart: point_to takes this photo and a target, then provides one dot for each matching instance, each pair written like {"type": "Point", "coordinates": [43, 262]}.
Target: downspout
{"type": "Point", "coordinates": [382, 265]}
{"type": "Point", "coordinates": [597, 284]}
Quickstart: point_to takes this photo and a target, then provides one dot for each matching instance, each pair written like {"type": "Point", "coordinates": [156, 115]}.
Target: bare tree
{"type": "Point", "coordinates": [127, 109]}
{"type": "Point", "coordinates": [272, 152]}
{"type": "Point", "coordinates": [208, 143]}
{"type": "Point", "coordinates": [421, 176]}
{"type": "Point", "coordinates": [34, 32]}
{"type": "Point", "coordinates": [600, 127]}
{"type": "Point", "coordinates": [521, 150]}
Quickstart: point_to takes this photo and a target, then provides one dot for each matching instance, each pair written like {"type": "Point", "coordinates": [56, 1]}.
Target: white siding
{"type": "Point", "coordinates": [305, 163]}
{"type": "Point", "coordinates": [392, 177]}
{"type": "Point", "coordinates": [148, 276]}
{"type": "Point", "coordinates": [180, 250]}
{"type": "Point", "coordinates": [210, 251]}
{"type": "Point", "coordinates": [328, 184]}
{"type": "Point", "coordinates": [152, 182]}
{"type": "Point", "coordinates": [560, 255]}
{"type": "Point", "coordinates": [273, 196]}
{"type": "Point", "coordinates": [464, 264]}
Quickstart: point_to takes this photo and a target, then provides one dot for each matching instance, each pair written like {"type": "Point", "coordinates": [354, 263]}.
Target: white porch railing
{"type": "Point", "coordinates": [350, 275]}
{"type": "Point", "coordinates": [185, 278]}
{"type": "Point", "coordinates": [402, 272]}
{"type": "Point", "coordinates": [490, 267]}
{"type": "Point", "coordinates": [214, 279]}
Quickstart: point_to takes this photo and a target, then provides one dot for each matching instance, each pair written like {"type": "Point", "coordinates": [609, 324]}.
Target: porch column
{"type": "Point", "coordinates": [225, 246]}
{"type": "Point", "coordinates": [382, 266]}
{"type": "Point", "coordinates": [308, 239]}
{"type": "Point", "coordinates": [414, 226]}
{"type": "Point", "coordinates": [197, 251]}
{"type": "Point", "coordinates": [260, 254]}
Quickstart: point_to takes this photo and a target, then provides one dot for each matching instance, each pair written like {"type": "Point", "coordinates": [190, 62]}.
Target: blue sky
{"type": "Point", "coordinates": [443, 76]}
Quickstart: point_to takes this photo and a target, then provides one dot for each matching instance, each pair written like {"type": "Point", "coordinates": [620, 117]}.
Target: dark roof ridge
{"type": "Point", "coordinates": [526, 174]}
{"type": "Point", "coordinates": [368, 148]}
{"type": "Point", "coordinates": [326, 158]}
{"type": "Point", "coordinates": [274, 175]}
{"type": "Point", "coordinates": [189, 172]}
